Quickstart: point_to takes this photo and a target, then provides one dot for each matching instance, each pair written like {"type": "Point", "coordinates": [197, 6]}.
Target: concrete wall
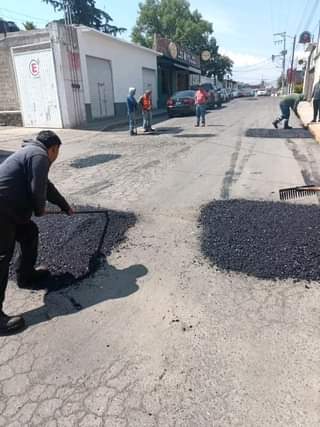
{"type": "Point", "coordinates": [9, 100]}
{"type": "Point", "coordinates": [127, 61]}
{"type": "Point", "coordinates": [70, 86]}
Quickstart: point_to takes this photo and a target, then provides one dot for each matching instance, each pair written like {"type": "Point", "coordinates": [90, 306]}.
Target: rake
{"type": "Point", "coordinates": [297, 192]}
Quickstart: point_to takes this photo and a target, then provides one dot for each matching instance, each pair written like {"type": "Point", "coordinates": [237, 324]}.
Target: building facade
{"type": "Point", "coordinates": [178, 68]}
{"type": "Point", "coordinates": [67, 76]}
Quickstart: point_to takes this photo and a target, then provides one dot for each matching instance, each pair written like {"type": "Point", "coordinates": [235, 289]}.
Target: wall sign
{"type": "Point", "coordinates": [305, 37]}
{"type": "Point", "coordinates": [34, 68]}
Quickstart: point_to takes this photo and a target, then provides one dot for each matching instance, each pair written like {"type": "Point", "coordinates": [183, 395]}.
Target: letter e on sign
{"type": "Point", "coordinates": [34, 68]}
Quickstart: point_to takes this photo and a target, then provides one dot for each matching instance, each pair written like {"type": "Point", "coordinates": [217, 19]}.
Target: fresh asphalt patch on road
{"type": "Point", "coordinates": [74, 247]}
{"type": "Point", "coordinates": [268, 240]}
{"type": "Point", "coordinates": [277, 133]}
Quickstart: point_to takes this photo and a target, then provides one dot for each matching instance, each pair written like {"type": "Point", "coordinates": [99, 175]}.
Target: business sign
{"type": "Point", "coordinates": [175, 51]}
{"type": "Point", "coordinates": [305, 37]}
{"type": "Point", "coordinates": [205, 55]}
{"type": "Point", "coordinates": [34, 68]}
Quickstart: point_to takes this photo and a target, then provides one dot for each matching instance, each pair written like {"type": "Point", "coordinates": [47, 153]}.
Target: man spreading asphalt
{"type": "Point", "coordinates": [316, 101]}
{"type": "Point", "coordinates": [287, 103]}
{"type": "Point", "coordinates": [24, 190]}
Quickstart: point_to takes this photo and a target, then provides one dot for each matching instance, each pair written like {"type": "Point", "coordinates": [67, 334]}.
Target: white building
{"type": "Point", "coordinates": [110, 66]}
{"type": "Point", "coordinates": [68, 76]}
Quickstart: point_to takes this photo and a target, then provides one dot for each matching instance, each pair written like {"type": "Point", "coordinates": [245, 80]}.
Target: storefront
{"type": "Point", "coordinates": [178, 68]}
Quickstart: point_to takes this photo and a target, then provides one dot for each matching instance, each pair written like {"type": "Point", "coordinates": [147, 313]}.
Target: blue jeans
{"type": "Point", "coordinates": [201, 113]}
{"type": "Point", "coordinates": [147, 116]}
{"type": "Point", "coordinates": [285, 111]}
{"type": "Point", "coordinates": [132, 121]}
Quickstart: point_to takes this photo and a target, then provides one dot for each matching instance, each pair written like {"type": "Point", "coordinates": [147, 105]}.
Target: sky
{"type": "Point", "coordinates": [243, 28]}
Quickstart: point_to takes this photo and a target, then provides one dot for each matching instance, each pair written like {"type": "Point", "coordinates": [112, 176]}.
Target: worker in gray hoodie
{"type": "Point", "coordinates": [132, 107]}
{"type": "Point", "coordinates": [24, 190]}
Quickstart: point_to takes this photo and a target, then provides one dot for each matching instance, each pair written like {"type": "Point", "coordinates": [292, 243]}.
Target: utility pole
{"type": "Point", "coordinates": [283, 54]}
{"type": "Point", "coordinates": [292, 80]}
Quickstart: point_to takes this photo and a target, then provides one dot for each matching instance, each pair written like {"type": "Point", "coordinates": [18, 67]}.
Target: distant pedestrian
{"type": "Point", "coordinates": [132, 106]}
{"type": "Point", "coordinates": [287, 103]}
{"type": "Point", "coordinates": [146, 105]}
{"type": "Point", "coordinates": [316, 101]}
{"type": "Point", "coordinates": [201, 99]}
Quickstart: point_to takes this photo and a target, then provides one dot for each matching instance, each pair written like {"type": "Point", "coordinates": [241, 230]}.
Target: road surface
{"type": "Point", "coordinates": [184, 343]}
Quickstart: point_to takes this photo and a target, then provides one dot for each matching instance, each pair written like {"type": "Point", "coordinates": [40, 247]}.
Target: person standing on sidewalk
{"type": "Point", "coordinates": [316, 102]}
{"type": "Point", "coordinates": [132, 106]}
{"type": "Point", "coordinates": [201, 99]}
{"type": "Point", "coordinates": [287, 103]}
{"type": "Point", "coordinates": [146, 105]}
{"type": "Point", "coordinates": [24, 189]}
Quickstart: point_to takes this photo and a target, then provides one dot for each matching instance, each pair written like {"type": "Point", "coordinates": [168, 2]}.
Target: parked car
{"type": "Point", "coordinates": [215, 99]}
{"type": "Point", "coordinates": [181, 103]}
{"type": "Point", "coordinates": [224, 94]}
{"type": "Point", "coordinates": [262, 92]}
{"type": "Point", "coordinates": [235, 93]}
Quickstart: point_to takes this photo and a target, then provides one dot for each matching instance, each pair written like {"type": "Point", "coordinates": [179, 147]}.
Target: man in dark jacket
{"type": "Point", "coordinates": [287, 103]}
{"type": "Point", "coordinates": [24, 190]}
{"type": "Point", "coordinates": [316, 101]}
{"type": "Point", "coordinates": [132, 107]}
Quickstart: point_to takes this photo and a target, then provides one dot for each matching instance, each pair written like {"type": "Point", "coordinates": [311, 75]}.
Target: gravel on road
{"type": "Point", "coordinates": [73, 247]}
{"type": "Point", "coordinates": [269, 240]}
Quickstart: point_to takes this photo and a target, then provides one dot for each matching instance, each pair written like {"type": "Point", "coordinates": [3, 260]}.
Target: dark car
{"type": "Point", "coordinates": [181, 103]}
{"type": "Point", "coordinates": [215, 99]}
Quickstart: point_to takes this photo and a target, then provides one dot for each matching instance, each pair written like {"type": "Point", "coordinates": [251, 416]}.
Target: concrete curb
{"type": "Point", "coordinates": [306, 113]}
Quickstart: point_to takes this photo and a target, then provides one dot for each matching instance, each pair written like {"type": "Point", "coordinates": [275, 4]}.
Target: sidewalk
{"type": "Point", "coordinates": [305, 110]}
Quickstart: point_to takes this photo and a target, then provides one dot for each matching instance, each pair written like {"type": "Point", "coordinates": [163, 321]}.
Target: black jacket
{"type": "Point", "coordinates": [24, 184]}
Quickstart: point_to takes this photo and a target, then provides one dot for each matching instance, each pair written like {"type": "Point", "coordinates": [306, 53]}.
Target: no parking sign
{"type": "Point", "coordinates": [34, 68]}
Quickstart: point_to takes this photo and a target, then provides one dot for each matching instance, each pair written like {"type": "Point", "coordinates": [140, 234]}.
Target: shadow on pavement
{"type": "Point", "coordinates": [215, 126]}
{"type": "Point", "coordinates": [263, 239]}
{"type": "Point", "coordinates": [112, 283]}
{"type": "Point", "coordinates": [277, 133]}
{"type": "Point", "coordinates": [4, 154]}
{"type": "Point", "coordinates": [75, 248]}
{"type": "Point", "coordinates": [90, 161]}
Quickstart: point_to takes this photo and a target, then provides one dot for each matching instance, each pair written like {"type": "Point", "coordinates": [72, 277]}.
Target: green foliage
{"type": "Point", "coordinates": [298, 88]}
{"type": "Point", "coordinates": [174, 20]}
{"type": "Point", "coordinates": [85, 12]}
{"type": "Point", "coordinates": [28, 25]}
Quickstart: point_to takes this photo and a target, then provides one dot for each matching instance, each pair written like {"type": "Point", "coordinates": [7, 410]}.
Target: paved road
{"type": "Point", "coordinates": [185, 344]}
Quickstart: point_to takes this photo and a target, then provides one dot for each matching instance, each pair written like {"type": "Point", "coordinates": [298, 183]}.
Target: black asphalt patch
{"type": "Point", "coordinates": [75, 247]}
{"type": "Point", "coordinates": [90, 161]}
{"type": "Point", "coordinates": [262, 239]}
{"type": "Point", "coordinates": [277, 133]}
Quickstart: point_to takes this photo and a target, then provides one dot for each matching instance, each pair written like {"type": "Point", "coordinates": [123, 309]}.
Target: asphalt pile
{"type": "Point", "coordinates": [73, 247]}
{"type": "Point", "coordinates": [262, 239]}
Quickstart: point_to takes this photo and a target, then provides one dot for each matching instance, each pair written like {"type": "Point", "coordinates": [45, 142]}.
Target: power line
{"type": "Point", "coordinates": [22, 14]}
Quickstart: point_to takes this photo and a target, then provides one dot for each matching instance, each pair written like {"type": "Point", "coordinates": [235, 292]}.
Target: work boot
{"type": "Point", "coordinates": [38, 275]}
{"type": "Point", "coordinates": [10, 324]}
{"type": "Point", "coordinates": [203, 125]}
{"type": "Point", "coordinates": [275, 123]}
{"type": "Point", "coordinates": [132, 133]}
{"type": "Point", "coordinates": [196, 125]}
{"type": "Point", "coordinates": [286, 125]}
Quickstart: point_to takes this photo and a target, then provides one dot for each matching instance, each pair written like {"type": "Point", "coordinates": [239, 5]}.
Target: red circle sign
{"type": "Point", "coordinates": [34, 67]}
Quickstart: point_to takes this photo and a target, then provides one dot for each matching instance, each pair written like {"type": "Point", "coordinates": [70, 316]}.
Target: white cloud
{"type": "Point", "coordinates": [242, 59]}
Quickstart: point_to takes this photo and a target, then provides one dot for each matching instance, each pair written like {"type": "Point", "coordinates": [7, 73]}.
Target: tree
{"type": "Point", "coordinates": [174, 20]}
{"type": "Point", "coordinates": [85, 12]}
{"type": "Point", "coordinates": [218, 66]}
{"type": "Point", "coordinates": [28, 25]}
